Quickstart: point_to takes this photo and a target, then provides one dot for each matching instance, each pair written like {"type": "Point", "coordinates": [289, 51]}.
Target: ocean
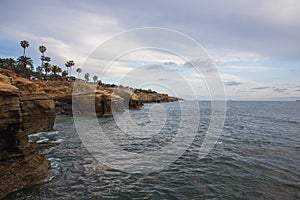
{"type": "Point", "coordinates": [257, 155]}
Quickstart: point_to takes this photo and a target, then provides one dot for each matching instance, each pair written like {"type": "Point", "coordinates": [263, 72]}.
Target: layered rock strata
{"type": "Point", "coordinates": [24, 110]}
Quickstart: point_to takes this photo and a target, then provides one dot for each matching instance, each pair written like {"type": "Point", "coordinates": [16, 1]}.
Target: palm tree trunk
{"type": "Point", "coordinates": [42, 60]}
{"type": "Point", "coordinates": [24, 52]}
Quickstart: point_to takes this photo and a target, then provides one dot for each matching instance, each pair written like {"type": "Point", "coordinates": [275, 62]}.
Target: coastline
{"type": "Point", "coordinates": [29, 107]}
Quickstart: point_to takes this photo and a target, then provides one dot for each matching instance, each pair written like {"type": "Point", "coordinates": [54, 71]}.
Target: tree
{"type": "Point", "coordinates": [42, 49]}
{"type": "Point", "coordinates": [70, 64]}
{"type": "Point", "coordinates": [24, 44]}
{"type": "Point", "coordinates": [64, 73]}
{"type": "Point", "coordinates": [7, 63]}
{"type": "Point", "coordinates": [95, 78]}
{"type": "Point", "coordinates": [46, 58]}
{"type": "Point", "coordinates": [78, 70]}
{"type": "Point", "coordinates": [39, 70]}
{"type": "Point", "coordinates": [55, 70]}
{"type": "Point", "coordinates": [23, 62]}
{"type": "Point", "coordinates": [10, 63]}
{"type": "Point", "coordinates": [87, 77]}
{"type": "Point", "coordinates": [47, 68]}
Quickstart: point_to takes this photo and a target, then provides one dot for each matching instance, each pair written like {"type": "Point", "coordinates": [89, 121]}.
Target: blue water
{"type": "Point", "coordinates": [256, 157]}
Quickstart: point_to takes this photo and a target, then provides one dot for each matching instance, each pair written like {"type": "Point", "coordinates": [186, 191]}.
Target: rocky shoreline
{"type": "Point", "coordinates": [28, 107]}
{"type": "Point", "coordinates": [24, 109]}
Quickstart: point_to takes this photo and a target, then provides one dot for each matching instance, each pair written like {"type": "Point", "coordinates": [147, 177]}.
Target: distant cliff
{"type": "Point", "coordinates": [106, 97]}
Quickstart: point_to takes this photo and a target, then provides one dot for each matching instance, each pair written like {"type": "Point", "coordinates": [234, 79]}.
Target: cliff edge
{"type": "Point", "coordinates": [25, 109]}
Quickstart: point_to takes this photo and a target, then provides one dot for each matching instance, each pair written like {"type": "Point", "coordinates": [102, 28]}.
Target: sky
{"type": "Point", "coordinates": [252, 46]}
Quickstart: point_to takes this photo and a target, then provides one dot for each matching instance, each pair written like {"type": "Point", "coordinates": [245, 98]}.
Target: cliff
{"type": "Point", "coordinates": [155, 98]}
{"type": "Point", "coordinates": [107, 100]}
{"type": "Point", "coordinates": [25, 109]}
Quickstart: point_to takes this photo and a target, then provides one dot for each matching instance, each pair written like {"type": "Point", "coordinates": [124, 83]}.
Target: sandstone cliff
{"type": "Point", "coordinates": [25, 109]}
{"type": "Point", "coordinates": [155, 98]}
{"type": "Point", "coordinates": [106, 100]}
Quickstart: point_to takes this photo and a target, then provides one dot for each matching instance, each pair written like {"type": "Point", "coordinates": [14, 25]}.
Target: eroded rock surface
{"type": "Point", "coordinates": [24, 110]}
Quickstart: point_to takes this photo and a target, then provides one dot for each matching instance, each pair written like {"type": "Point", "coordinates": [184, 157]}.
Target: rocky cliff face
{"type": "Point", "coordinates": [106, 100]}
{"type": "Point", "coordinates": [24, 110]}
{"type": "Point", "coordinates": [131, 100]}
{"type": "Point", "coordinates": [155, 98]}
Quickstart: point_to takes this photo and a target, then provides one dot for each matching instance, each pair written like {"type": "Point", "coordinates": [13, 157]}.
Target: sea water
{"type": "Point", "coordinates": [257, 156]}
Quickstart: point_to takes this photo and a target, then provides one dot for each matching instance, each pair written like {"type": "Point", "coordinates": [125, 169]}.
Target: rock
{"type": "Point", "coordinates": [24, 110]}
{"type": "Point", "coordinates": [131, 100]}
{"type": "Point", "coordinates": [62, 108]}
{"type": "Point", "coordinates": [108, 104]}
{"type": "Point", "coordinates": [155, 98]}
{"type": "Point", "coordinates": [106, 100]}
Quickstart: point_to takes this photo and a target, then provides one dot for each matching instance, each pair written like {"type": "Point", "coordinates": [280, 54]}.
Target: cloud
{"type": "Point", "coordinates": [231, 77]}
{"type": "Point", "coordinates": [248, 68]}
{"type": "Point", "coordinates": [204, 65]}
{"type": "Point", "coordinates": [157, 67]}
{"type": "Point", "coordinates": [171, 63]}
{"type": "Point", "coordinates": [280, 90]}
{"type": "Point", "coordinates": [163, 79]}
{"type": "Point", "coordinates": [245, 91]}
{"type": "Point", "coordinates": [270, 30]}
{"type": "Point", "coordinates": [232, 83]}
{"type": "Point", "coordinates": [229, 56]}
{"type": "Point", "coordinates": [261, 88]}
{"type": "Point", "coordinates": [273, 24]}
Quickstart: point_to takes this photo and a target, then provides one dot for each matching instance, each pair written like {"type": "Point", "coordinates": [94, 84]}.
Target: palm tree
{"type": "Point", "coordinates": [23, 62]}
{"type": "Point", "coordinates": [64, 74]}
{"type": "Point", "coordinates": [42, 49]}
{"type": "Point", "coordinates": [7, 63]}
{"type": "Point", "coordinates": [11, 63]}
{"type": "Point", "coordinates": [70, 64]}
{"type": "Point", "coordinates": [47, 59]}
{"type": "Point", "coordinates": [47, 68]}
{"type": "Point", "coordinates": [2, 62]}
{"type": "Point", "coordinates": [78, 70]}
{"type": "Point", "coordinates": [39, 70]}
{"type": "Point", "coordinates": [55, 70]}
{"type": "Point", "coordinates": [24, 44]}
{"type": "Point", "coordinates": [95, 78]}
{"type": "Point", "coordinates": [87, 77]}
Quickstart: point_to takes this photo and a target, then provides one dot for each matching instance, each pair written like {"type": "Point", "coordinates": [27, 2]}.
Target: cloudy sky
{"type": "Point", "coordinates": [254, 45]}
